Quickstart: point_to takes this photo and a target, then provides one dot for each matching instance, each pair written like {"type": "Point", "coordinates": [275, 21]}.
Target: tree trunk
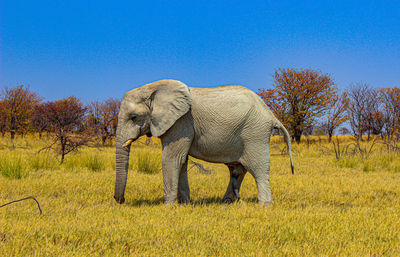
{"type": "Point", "coordinates": [62, 148]}
{"type": "Point", "coordinates": [297, 135]}
{"type": "Point", "coordinates": [62, 157]}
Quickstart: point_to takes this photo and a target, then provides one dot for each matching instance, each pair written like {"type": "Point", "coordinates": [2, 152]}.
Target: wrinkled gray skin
{"type": "Point", "coordinates": [227, 124]}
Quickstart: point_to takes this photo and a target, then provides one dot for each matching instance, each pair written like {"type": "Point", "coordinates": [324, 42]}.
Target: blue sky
{"type": "Point", "coordinates": [100, 49]}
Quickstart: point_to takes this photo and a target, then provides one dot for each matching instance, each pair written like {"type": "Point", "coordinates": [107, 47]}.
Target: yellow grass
{"type": "Point", "coordinates": [349, 207]}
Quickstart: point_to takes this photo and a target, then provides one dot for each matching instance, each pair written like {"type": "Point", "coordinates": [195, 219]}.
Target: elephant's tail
{"type": "Point", "coordinates": [280, 126]}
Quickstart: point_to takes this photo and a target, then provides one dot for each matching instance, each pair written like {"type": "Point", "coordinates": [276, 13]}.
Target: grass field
{"type": "Point", "coordinates": [347, 207]}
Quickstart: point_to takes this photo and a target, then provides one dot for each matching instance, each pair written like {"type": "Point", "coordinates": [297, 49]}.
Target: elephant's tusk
{"type": "Point", "coordinates": [128, 143]}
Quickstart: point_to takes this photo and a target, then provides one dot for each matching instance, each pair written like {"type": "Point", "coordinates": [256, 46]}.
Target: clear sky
{"type": "Point", "coordinates": [100, 49]}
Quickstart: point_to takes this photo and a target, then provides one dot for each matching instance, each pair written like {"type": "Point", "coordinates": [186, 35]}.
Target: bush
{"type": "Point", "coordinates": [12, 166]}
{"type": "Point", "coordinates": [147, 161]}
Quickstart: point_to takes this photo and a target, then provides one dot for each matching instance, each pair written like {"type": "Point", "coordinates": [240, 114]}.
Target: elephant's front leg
{"type": "Point", "coordinates": [171, 166]}
{"type": "Point", "coordinates": [174, 166]}
{"type": "Point", "coordinates": [183, 185]}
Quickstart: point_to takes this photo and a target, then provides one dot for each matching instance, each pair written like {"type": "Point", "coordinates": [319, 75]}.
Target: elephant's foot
{"type": "Point", "coordinates": [183, 198]}
{"type": "Point", "coordinates": [229, 199]}
{"type": "Point", "coordinates": [170, 199]}
{"type": "Point", "coordinates": [265, 203]}
{"type": "Point", "coordinates": [166, 202]}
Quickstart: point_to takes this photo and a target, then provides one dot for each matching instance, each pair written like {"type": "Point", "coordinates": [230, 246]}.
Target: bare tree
{"type": "Point", "coordinates": [336, 114]}
{"type": "Point", "coordinates": [103, 118]}
{"type": "Point", "coordinates": [363, 110]}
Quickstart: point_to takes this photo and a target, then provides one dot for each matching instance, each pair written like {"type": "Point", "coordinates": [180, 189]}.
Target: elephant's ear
{"type": "Point", "coordinates": [170, 101]}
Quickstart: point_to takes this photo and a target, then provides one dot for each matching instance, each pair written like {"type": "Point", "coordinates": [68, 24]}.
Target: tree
{"type": "Point", "coordinates": [17, 106]}
{"type": "Point", "coordinates": [390, 98]}
{"type": "Point", "coordinates": [39, 122]}
{"type": "Point", "coordinates": [336, 114]}
{"type": "Point", "coordinates": [364, 110]}
{"type": "Point", "coordinates": [103, 118]}
{"type": "Point", "coordinates": [3, 119]}
{"type": "Point", "coordinates": [93, 117]}
{"type": "Point", "coordinates": [375, 122]}
{"type": "Point", "coordinates": [299, 97]}
{"type": "Point", "coordinates": [66, 117]}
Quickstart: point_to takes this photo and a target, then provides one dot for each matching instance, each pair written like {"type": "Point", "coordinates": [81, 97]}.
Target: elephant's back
{"type": "Point", "coordinates": [230, 108]}
{"type": "Point", "coordinates": [223, 117]}
{"type": "Point", "coordinates": [230, 100]}
{"type": "Point", "coordinates": [231, 95]}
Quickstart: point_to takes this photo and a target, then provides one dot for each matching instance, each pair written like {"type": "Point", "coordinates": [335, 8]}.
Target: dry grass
{"type": "Point", "coordinates": [347, 207]}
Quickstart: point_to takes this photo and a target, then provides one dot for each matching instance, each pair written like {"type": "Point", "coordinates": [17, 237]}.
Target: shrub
{"type": "Point", "coordinates": [12, 166]}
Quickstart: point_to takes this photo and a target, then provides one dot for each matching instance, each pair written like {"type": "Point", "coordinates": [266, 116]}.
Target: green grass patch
{"type": "Point", "coordinates": [368, 166]}
{"type": "Point", "coordinates": [85, 160]}
{"type": "Point", "coordinates": [94, 162]}
{"type": "Point", "coordinates": [13, 166]}
{"type": "Point", "coordinates": [348, 163]}
{"type": "Point", "coordinates": [43, 161]}
{"type": "Point", "coordinates": [147, 160]}
{"type": "Point", "coordinates": [72, 162]}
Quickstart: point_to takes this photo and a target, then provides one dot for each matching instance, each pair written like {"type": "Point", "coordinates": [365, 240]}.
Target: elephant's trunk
{"type": "Point", "coordinates": [122, 163]}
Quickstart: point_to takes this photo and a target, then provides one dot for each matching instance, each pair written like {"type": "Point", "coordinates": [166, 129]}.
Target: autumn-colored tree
{"type": "Point", "coordinates": [3, 120]}
{"type": "Point", "coordinates": [39, 122]}
{"type": "Point", "coordinates": [103, 118]}
{"type": "Point", "coordinates": [390, 98]}
{"type": "Point", "coordinates": [17, 107]}
{"type": "Point", "coordinates": [66, 117]}
{"type": "Point", "coordinates": [336, 114]}
{"type": "Point", "coordinates": [299, 97]}
{"type": "Point", "coordinates": [364, 110]}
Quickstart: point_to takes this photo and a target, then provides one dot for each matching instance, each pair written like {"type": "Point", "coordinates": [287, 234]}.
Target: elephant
{"type": "Point", "coordinates": [227, 124]}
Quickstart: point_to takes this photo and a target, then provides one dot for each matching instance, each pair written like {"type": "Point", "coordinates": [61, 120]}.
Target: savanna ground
{"type": "Point", "coordinates": [348, 207]}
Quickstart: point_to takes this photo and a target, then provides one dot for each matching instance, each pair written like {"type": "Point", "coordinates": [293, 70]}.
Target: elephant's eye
{"type": "Point", "coordinates": [132, 117]}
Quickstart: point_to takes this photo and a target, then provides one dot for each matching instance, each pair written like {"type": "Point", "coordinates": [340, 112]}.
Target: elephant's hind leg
{"type": "Point", "coordinates": [237, 173]}
{"type": "Point", "coordinates": [259, 167]}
